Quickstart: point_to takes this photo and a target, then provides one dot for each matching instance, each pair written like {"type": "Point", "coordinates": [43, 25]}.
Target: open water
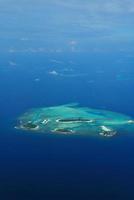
{"type": "Point", "coordinates": [50, 167]}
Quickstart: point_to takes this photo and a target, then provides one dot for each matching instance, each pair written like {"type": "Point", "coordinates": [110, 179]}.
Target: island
{"type": "Point", "coordinates": [72, 119]}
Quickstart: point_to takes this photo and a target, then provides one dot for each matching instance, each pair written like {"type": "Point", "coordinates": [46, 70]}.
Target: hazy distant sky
{"type": "Point", "coordinates": [66, 25]}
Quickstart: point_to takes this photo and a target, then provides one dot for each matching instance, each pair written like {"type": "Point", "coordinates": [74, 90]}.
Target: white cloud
{"type": "Point", "coordinates": [12, 63]}
{"type": "Point", "coordinates": [113, 6]}
{"type": "Point", "coordinates": [72, 42]}
{"type": "Point", "coordinates": [35, 50]}
{"type": "Point", "coordinates": [66, 75]}
{"type": "Point", "coordinates": [56, 61]}
{"type": "Point", "coordinates": [37, 79]}
{"type": "Point", "coordinates": [53, 72]}
{"type": "Point", "coordinates": [24, 39]}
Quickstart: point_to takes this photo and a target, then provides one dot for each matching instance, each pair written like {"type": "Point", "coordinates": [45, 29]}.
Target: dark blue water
{"type": "Point", "coordinates": [39, 166]}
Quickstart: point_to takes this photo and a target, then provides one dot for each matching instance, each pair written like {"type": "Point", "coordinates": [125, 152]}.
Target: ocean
{"type": "Point", "coordinates": [53, 167]}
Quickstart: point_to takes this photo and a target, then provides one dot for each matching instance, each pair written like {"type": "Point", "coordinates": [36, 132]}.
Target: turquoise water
{"type": "Point", "coordinates": [74, 119]}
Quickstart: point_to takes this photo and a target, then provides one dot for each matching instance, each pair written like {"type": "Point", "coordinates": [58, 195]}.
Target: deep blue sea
{"type": "Point", "coordinates": [50, 167]}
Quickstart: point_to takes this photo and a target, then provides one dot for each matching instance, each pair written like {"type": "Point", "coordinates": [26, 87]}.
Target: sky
{"type": "Point", "coordinates": [66, 26]}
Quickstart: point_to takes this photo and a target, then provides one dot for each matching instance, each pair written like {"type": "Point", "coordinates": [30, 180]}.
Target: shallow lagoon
{"type": "Point", "coordinates": [76, 120]}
